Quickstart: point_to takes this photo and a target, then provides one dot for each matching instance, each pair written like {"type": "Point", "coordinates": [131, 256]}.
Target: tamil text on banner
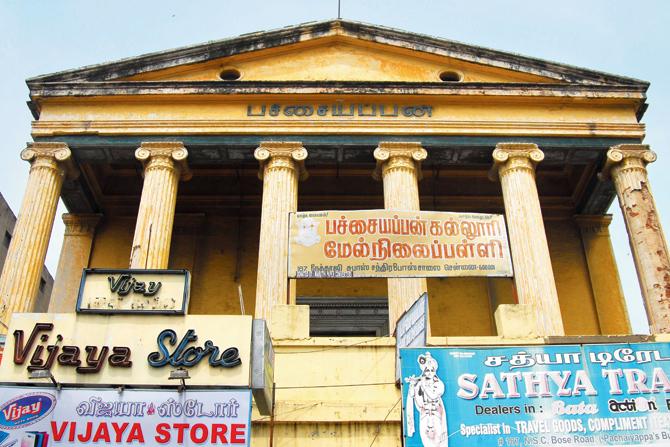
{"type": "Point", "coordinates": [40, 417]}
{"type": "Point", "coordinates": [128, 349]}
{"type": "Point", "coordinates": [595, 395]}
{"type": "Point", "coordinates": [383, 243]}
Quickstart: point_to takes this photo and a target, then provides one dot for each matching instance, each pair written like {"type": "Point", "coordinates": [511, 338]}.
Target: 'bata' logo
{"type": "Point", "coordinates": [26, 410]}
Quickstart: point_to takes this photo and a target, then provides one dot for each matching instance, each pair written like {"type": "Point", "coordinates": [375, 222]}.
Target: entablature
{"type": "Point", "coordinates": [225, 182]}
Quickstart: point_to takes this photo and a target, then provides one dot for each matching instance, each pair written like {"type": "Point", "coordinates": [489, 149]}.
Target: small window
{"type": "Point", "coordinates": [43, 284]}
{"type": "Point", "coordinates": [230, 74]}
{"type": "Point", "coordinates": [451, 76]}
{"type": "Point", "coordinates": [8, 239]}
{"type": "Point", "coordinates": [347, 317]}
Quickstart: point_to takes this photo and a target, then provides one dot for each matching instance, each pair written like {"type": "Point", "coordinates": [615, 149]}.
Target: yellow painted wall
{"type": "Point", "coordinates": [572, 278]}
{"type": "Point", "coordinates": [339, 59]}
{"type": "Point", "coordinates": [209, 251]}
{"type": "Point", "coordinates": [458, 306]}
{"type": "Point", "coordinates": [112, 242]}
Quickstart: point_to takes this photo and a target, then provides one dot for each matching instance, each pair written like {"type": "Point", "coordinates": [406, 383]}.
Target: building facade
{"type": "Point", "coordinates": [193, 159]}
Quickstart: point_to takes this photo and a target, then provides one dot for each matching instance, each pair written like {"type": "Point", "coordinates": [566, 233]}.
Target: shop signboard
{"type": "Point", "coordinates": [412, 329]}
{"type": "Point", "coordinates": [113, 291]}
{"type": "Point", "coordinates": [40, 417]}
{"type": "Point", "coordinates": [262, 367]}
{"type": "Point", "coordinates": [134, 350]}
{"type": "Point", "coordinates": [567, 395]}
{"type": "Point", "coordinates": [397, 244]}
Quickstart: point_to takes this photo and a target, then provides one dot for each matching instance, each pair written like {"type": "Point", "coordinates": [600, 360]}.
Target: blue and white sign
{"type": "Point", "coordinates": [590, 395]}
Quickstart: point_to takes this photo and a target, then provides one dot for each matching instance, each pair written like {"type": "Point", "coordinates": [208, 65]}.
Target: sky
{"type": "Point", "coordinates": [616, 36]}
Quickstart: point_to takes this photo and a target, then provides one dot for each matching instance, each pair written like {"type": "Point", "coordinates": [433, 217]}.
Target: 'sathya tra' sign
{"type": "Point", "coordinates": [129, 349]}
{"type": "Point", "coordinates": [38, 417]}
{"type": "Point", "coordinates": [593, 395]}
{"type": "Point", "coordinates": [389, 244]}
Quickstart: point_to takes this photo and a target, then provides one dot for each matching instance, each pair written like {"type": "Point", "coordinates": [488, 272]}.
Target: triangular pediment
{"type": "Point", "coordinates": [340, 58]}
{"type": "Point", "coordinates": [337, 51]}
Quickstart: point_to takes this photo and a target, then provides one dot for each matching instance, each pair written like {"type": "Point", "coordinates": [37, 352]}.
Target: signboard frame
{"type": "Point", "coordinates": [381, 243]}
{"type": "Point", "coordinates": [405, 324]}
{"type": "Point", "coordinates": [104, 271]}
{"type": "Point", "coordinates": [262, 367]}
{"type": "Point", "coordinates": [130, 344]}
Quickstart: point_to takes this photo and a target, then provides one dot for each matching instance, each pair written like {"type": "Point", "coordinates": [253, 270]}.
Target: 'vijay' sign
{"type": "Point", "coordinates": [116, 291]}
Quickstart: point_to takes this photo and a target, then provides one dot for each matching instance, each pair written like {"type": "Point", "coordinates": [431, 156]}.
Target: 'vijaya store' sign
{"type": "Point", "coordinates": [134, 291]}
{"type": "Point", "coordinates": [129, 350]}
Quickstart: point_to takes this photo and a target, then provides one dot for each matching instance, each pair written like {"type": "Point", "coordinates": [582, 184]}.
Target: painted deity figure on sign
{"type": "Point", "coordinates": [308, 233]}
{"type": "Point", "coordinates": [425, 393]}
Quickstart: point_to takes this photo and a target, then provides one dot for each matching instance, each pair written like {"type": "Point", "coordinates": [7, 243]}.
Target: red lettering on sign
{"type": "Point", "coordinates": [56, 432]}
{"type": "Point", "coordinates": [203, 433]}
{"type": "Point", "coordinates": [219, 432]}
{"type": "Point", "coordinates": [119, 429]}
{"type": "Point", "coordinates": [180, 431]}
{"type": "Point", "coordinates": [237, 433]}
{"type": "Point", "coordinates": [87, 435]}
{"type": "Point", "coordinates": [163, 433]}
{"type": "Point", "coordinates": [102, 433]}
{"type": "Point", "coordinates": [135, 434]}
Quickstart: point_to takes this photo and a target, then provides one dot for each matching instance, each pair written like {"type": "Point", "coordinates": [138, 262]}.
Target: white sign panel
{"type": "Point", "coordinates": [134, 291]}
{"type": "Point", "coordinates": [397, 244]}
{"type": "Point", "coordinates": [41, 417]}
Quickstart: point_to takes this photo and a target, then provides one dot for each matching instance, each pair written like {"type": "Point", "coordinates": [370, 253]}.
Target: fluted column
{"type": "Point", "coordinates": [74, 256]}
{"type": "Point", "coordinates": [281, 166]}
{"type": "Point", "coordinates": [604, 274]}
{"type": "Point", "coordinates": [399, 168]}
{"type": "Point", "coordinates": [19, 283]}
{"type": "Point", "coordinates": [514, 166]}
{"type": "Point", "coordinates": [626, 166]}
{"type": "Point", "coordinates": [164, 165]}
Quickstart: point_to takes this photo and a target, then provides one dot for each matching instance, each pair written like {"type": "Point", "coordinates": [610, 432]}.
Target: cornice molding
{"type": "Point", "coordinates": [342, 29]}
{"type": "Point", "coordinates": [134, 88]}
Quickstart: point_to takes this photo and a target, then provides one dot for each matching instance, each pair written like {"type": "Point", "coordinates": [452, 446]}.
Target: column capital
{"type": "Point", "coordinates": [281, 155]}
{"type": "Point", "coordinates": [51, 155]}
{"type": "Point", "coordinates": [80, 224]}
{"type": "Point", "coordinates": [627, 157]}
{"type": "Point", "coordinates": [509, 157]}
{"type": "Point", "coordinates": [398, 155]}
{"type": "Point", "coordinates": [594, 224]}
{"type": "Point", "coordinates": [169, 155]}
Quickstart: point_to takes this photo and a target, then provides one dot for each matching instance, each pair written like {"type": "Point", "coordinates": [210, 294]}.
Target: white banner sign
{"type": "Point", "coordinates": [397, 244]}
{"type": "Point", "coordinates": [41, 417]}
